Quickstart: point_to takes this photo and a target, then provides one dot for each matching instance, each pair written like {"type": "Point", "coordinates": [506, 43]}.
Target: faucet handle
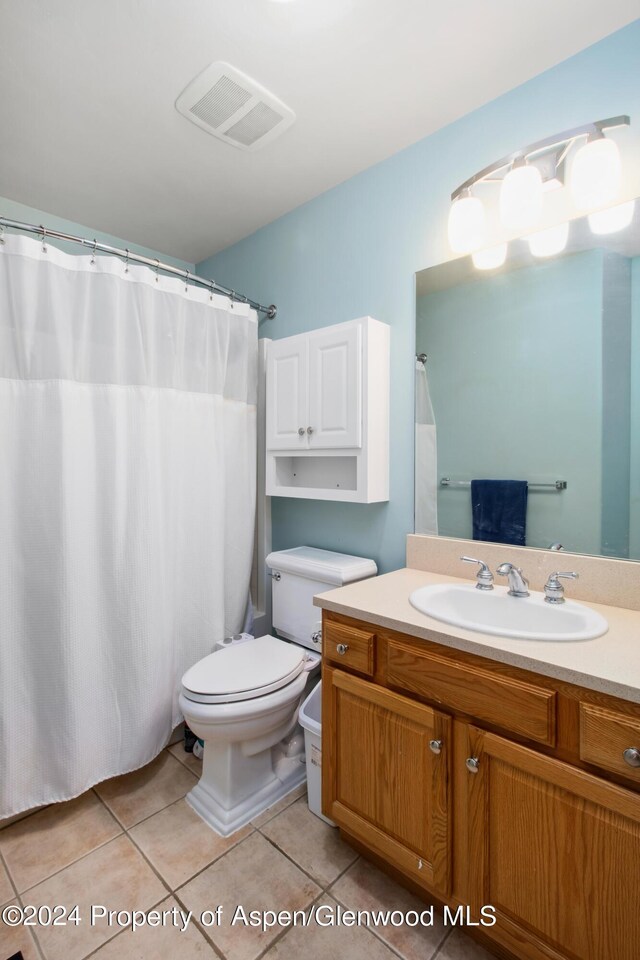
{"type": "Point", "coordinates": [553, 589]}
{"type": "Point", "coordinates": [484, 577]}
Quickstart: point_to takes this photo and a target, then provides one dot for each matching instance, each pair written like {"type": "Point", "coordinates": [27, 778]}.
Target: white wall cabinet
{"type": "Point", "coordinates": [327, 432]}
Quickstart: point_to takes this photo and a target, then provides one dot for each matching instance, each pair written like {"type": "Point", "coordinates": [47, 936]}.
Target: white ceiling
{"type": "Point", "coordinates": [89, 129]}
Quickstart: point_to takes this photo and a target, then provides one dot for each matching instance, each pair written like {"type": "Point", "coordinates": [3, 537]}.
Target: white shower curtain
{"type": "Point", "coordinates": [127, 494]}
{"type": "Point", "coordinates": [426, 458]}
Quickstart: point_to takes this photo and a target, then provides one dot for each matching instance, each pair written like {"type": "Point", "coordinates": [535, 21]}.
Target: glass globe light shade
{"type": "Point", "coordinates": [521, 198]}
{"type": "Point", "coordinates": [613, 218]}
{"type": "Point", "coordinates": [467, 224]}
{"type": "Point", "coordinates": [491, 258]}
{"type": "Point", "coordinates": [546, 243]}
{"type": "Point", "coordinates": [596, 174]}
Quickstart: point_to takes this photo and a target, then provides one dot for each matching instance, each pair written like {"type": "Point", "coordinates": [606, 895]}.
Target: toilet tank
{"type": "Point", "coordinates": [299, 574]}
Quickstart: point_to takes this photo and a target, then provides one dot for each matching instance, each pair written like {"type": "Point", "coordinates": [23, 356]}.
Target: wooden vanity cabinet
{"type": "Point", "coordinates": [517, 808]}
{"type": "Point", "coordinates": [387, 779]}
{"type": "Point", "coordinates": [556, 851]}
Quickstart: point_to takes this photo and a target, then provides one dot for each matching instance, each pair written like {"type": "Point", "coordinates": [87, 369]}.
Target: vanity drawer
{"type": "Point", "coordinates": [514, 705]}
{"type": "Point", "coordinates": [605, 735]}
{"type": "Point", "coordinates": [349, 647]}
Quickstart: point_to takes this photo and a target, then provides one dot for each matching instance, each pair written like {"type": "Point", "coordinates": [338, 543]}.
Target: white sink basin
{"type": "Point", "coordinates": [495, 612]}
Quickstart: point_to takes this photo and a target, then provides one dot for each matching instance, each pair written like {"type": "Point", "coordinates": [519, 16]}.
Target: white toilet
{"type": "Point", "coordinates": [243, 700]}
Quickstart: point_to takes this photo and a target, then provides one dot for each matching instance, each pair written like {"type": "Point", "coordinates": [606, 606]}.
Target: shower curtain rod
{"type": "Point", "coordinates": [188, 277]}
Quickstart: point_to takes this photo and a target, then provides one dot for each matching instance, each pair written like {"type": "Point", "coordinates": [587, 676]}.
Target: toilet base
{"type": "Point", "coordinates": [289, 772]}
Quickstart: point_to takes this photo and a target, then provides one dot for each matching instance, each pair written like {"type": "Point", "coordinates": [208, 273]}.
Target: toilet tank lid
{"type": "Point", "coordinates": [323, 565]}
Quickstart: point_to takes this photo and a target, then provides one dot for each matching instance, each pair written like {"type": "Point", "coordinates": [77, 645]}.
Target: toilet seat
{"type": "Point", "coordinates": [243, 672]}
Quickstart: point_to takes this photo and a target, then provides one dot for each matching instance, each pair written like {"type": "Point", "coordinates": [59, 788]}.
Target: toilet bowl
{"type": "Point", "coordinates": [242, 701]}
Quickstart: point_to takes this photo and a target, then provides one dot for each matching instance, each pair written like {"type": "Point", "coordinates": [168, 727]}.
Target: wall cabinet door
{"type": "Point", "coordinates": [335, 387]}
{"type": "Point", "coordinates": [287, 394]}
{"type": "Point", "coordinates": [382, 781]}
{"type": "Point", "coordinates": [556, 851]}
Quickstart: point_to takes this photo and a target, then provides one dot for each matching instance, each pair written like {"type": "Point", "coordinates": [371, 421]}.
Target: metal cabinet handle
{"type": "Point", "coordinates": [301, 431]}
{"type": "Point", "coordinates": [435, 746]}
{"type": "Point", "coordinates": [342, 648]}
{"type": "Point", "coordinates": [309, 430]}
{"type": "Point", "coordinates": [472, 764]}
{"type": "Point", "coordinates": [632, 756]}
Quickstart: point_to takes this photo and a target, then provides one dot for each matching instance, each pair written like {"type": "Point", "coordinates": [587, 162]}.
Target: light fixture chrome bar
{"type": "Point", "coordinates": [556, 485]}
{"type": "Point", "coordinates": [557, 140]}
{"type": "Point", "coordinates": [94, 246]}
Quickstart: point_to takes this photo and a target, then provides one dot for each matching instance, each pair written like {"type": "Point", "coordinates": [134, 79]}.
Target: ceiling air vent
{"type": "Point", "coordinates": [233, 107]}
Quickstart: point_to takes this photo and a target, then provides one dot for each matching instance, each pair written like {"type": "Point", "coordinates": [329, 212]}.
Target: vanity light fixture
{"type": "Point", "coordinates": [549, 242]}
{"type": "Point", "coordinates": [596, 173]}
{"type": "Point", "coordinates": [467, 223]}
{"type": "Point", "coordinates": [521, 196]}
{"type": "Point", "coordinates": [490, 258]}
{"type": "Point", "coordinates": [612, 219]}
{"type": "Point", "coordinates": [524, 176]}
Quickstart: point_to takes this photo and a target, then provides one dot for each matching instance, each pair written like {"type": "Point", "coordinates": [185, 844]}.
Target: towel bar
{"type": "Point", "coordinates": [556, 485]}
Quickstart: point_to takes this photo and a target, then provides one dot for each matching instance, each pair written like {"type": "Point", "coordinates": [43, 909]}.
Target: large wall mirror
{"type": "Point", "coordinates": [531, 372]}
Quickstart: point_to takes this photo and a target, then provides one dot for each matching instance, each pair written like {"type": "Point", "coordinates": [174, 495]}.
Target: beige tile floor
{"type": "Point", "coordinates": [134, 843]}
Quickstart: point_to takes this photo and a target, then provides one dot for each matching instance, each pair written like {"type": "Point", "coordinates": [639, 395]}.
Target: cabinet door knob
{"type": "Point", "coordinates": [435, 746]}
{"type": "Point", "coordinates": [301, 431]}
{"type": "Point", "coordinates": [632, 756]}
{"type": "Point", "coordinates": [472, 764]}
{"type": "Point", "coordinates": [309, 430]}
{"type": "Point", "coordinates": [342, 648]}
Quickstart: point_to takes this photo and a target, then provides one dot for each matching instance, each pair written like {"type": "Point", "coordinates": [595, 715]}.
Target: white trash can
{"type": "Point", "coordinates": [309, 718]}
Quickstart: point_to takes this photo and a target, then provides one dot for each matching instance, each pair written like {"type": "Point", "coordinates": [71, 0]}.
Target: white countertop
{"type": "Point", "coordinates": [610, 663]}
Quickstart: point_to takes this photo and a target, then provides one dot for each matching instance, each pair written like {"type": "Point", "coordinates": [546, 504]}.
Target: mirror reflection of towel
{"type": "Point", "coordinates": [499, 510]}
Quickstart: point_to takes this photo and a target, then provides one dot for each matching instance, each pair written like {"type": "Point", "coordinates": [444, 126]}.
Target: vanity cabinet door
{"type": "Point", "coordinates": [385, 778]}
{"type": "Point", "coordinates": [556, 851]}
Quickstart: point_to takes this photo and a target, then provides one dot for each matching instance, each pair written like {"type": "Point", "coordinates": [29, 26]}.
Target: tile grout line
{"type": "Point", "coordinates": [66, 866]}
{"type": "Point", "coordinates": [341, 874]}
{"type": "Point", "coordinates": [274, 815]}
{"type": "Point", "coordinates": [34, 938]}
{"type": "Point", "coordinates": [8, 873]}
{"type": "Point", "coordinates": [148, 817]}
{"type": "Point", "coordinates": [180, 759]}
{"type": "Point", "coordinates": [215, 859]}
{"type": "Point", "coordinates": [441, 946]}
{"type": "Point", "coordinates": [438, 946]}
{"type": "Point", "coordinates": [142, 854]}
{"type": "Point", "coordinates": [372, 930]}
{"type": "Point", "coordinates": [118, 933]}
{"type": "Point", "coordinates": [291, 860]}
{"type": "Point", "coordinates": [132, 826]}
{"type": "Point", "coordinates": [203, 930]}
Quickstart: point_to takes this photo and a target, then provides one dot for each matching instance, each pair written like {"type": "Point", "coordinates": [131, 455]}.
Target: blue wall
{"type": "Point", "coordinates": [354, 251]}
{"type": "Point", "coordinates": [19, 211]}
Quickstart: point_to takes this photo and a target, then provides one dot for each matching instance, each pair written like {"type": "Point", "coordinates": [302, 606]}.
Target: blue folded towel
{"type": "Point", "coordinates": [499, 510]}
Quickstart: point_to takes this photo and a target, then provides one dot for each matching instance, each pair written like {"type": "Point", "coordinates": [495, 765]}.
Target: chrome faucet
{"type": "Point", "coordinates": [518, 584]}
{"type": "Point", "coordinates": [484, 577]}
{"type": "Point", "coordinates": [553, 589]}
